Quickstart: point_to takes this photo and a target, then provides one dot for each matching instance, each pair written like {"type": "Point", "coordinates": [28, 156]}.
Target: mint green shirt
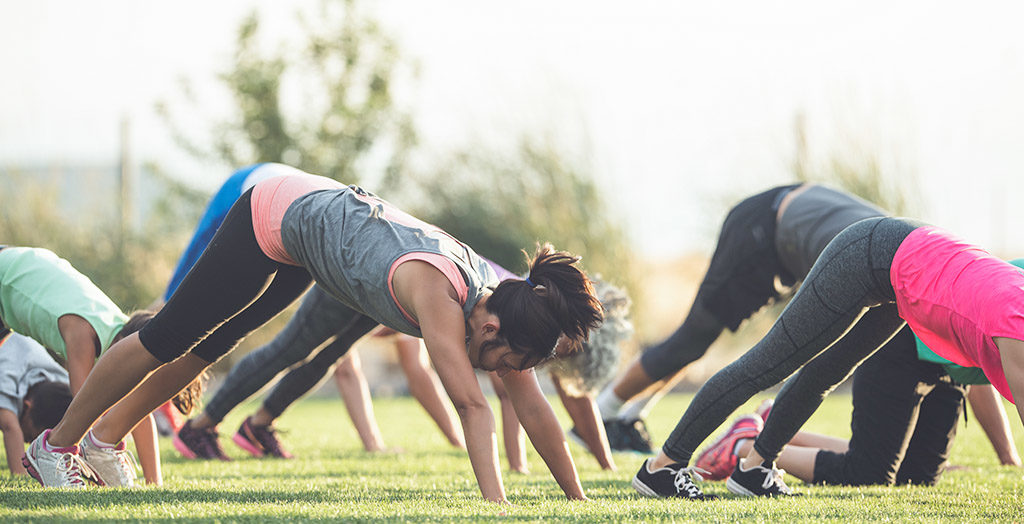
{"type": "Point", "coordinates": [37, 287]}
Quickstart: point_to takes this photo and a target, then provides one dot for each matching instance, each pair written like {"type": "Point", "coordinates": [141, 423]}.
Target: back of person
{"type": "Point", "coordinates": [329, 229]}
{"type": "Point", "coordinates": [814, 216]}
{"type": "Point", "coordinates": [37, 288]}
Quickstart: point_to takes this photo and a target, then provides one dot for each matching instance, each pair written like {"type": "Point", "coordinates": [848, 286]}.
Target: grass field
{"type": "Point", "coordinates": [332, 479]}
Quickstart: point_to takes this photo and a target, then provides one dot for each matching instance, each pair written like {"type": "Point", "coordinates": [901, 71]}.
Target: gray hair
{"type": "Point", "coordinates": [588, 370]}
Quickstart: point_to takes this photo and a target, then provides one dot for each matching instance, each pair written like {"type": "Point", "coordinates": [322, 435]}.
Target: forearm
{"type": "Point", "coordinates": [14, 447]}
{"type": "Point", "coordinates": [988, 409]}
{"type": "Point", "coordinates": [356, 394]}
{"type": "Point", "coordinates": [482, 446]}
{"type": "Point", "coordinates": [585, 416]}
{"type": "Point", "coordinates": [14, 440]}
{"type": "Point", "coordinates": [545, 434]}
{"type": "Point", "coordinates": [145, 438]}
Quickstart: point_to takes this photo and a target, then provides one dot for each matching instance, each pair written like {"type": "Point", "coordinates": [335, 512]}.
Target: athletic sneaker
{"type": "Point", "coordinates": [629, 436]}
{"type": "Point", "coordinates": [759, 481]}
{"type": "Point", "coordinates": [260, 440]}
{"type": "Point", "coordinates": [57, 467]}
{"type": "Point", "coordinates": [115, 466]}
{"type": "Point", "coordinates": [670, 481]}
{"type": "Point", "coordinates": [199, 443]}
{"type": "Point", "coordinates": [719, 459]}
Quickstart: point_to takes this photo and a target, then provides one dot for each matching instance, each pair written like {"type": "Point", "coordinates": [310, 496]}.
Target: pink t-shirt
{"type": "Point", "coordinates": [957, 298]}
{"type": "Point", "coordinates": [270, 200]}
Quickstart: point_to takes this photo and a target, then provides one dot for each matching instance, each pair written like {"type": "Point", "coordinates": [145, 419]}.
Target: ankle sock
{"type": "Point", "coordinates": [98, 442]}
{"type": "Point", "coordinates": [609, 404]}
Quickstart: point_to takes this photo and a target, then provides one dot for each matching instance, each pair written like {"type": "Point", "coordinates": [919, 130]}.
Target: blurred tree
{"type": "Point", "coordinates": [342, 72]}
{"type": "Point", "coordinates": [503, 203]}
{"type": "Point", "coordinates": [129, 270]}
{"type": "Point", "coordinates": [855, 169]}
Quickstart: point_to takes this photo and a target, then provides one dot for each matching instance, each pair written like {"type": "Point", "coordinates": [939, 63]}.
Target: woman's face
{"type": "Point", "coordinates": [489, 352]}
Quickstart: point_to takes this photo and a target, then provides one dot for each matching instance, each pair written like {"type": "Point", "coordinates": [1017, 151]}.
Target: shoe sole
{"type": "Point", "coordinates": [736, 488]}
{"type": "Point", "coordinates": [644, 489]}
{"type": "Point", "coordinates": [244, 443]}
{"type": "Point", "coordinates": [31, 468]}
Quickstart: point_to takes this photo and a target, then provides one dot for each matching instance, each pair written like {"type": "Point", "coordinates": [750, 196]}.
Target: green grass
{"type": "Point", "coordinates": [430, 482]}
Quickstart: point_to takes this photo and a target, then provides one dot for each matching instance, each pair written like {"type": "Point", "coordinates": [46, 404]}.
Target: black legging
{"type": "Point", "coordinates": [233, 289]}
{"type": "Point", "coordinates": [319, 319]}
{"type": "Point", "coordinates": [843, 312]}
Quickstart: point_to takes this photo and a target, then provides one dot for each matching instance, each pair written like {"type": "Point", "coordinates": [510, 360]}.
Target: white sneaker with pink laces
{"type": "Point", "coordinates": [115, 465]}
{"type": "Point", "coordinates": [57, 467]}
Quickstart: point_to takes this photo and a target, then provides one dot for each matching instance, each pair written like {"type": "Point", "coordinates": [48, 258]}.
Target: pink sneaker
{"type": "Point", "coordinates": [718, 459]}
{"type": "Point", "coordinates": [259, 441]}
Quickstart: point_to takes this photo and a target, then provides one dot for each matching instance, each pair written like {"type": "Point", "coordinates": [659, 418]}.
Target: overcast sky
{"type": "Point", "coordinates": [681, 107]}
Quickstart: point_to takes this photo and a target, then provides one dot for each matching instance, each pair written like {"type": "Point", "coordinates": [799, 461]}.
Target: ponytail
{"type": "Point", "coordinates": [556, 298]}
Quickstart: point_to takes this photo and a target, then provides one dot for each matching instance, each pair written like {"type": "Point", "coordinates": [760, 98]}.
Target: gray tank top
{"type": "Point", "coordinates": [812, 219]}
{"type": "Point", "coordinates": [348, 239]}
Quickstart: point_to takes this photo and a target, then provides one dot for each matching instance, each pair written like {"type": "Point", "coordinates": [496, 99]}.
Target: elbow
{"type": "Point", "coordinates": [469, 407]}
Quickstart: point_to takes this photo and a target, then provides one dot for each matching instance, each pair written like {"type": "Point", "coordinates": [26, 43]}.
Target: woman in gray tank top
{"type": "Point", "coordinates": [236, 286]}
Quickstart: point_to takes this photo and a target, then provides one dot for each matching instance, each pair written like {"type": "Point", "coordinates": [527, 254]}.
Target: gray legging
{"type": "Point", "coordinates": [844, 311]}
{"type": "Point", "coordinates": [318, 319]}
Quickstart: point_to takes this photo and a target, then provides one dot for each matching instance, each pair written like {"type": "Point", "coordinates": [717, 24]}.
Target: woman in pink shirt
{"type": "Point", "coordinates": [874, 277]}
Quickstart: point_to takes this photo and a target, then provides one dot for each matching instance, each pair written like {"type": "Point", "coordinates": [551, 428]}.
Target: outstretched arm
{"type": "Point", "coordinates": [988, 409]}
{"type": "Point", "coordinates": [541, 425]}
{"type": "Point", "coordinates": [146, 447]}
{"type": "Point", "coordinates": [1011, 351]}
{"type": "Point", "coordinates": [14, 441]}
{"type": "Point", "coordinates": [585, 416]}
{"type": "Point", "coordinates": [511, 430]}
{"type": "Point", "coordinates": [433, 302]}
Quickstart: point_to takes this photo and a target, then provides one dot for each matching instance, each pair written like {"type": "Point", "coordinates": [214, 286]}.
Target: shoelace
{"type": "Point", "coordinates": [684, 481]}
{"type": "Point", "coordinates": [127, 460]}
{"type": "Point", "coordinates": [70, 467]}
{"type": "Point", "coordinates": [774, 477]}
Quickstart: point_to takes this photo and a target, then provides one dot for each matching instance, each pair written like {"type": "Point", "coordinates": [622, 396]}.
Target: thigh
{"type": "Point", "coordinates": [231, 274]}
{"type": "Point", "coordinates": [287, 285]}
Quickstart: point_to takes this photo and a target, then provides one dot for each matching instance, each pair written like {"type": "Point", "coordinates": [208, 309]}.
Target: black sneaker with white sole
{"type": "Point", "coordinates": [673, 480]}
{"type": "Point", "coordinates": [758, 481]}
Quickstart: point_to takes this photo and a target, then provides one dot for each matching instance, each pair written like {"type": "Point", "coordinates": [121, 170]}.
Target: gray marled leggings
{"type": "Point", "coordinates": [843, 312]}
{"type": "Point", "coordinates": [318, 319]}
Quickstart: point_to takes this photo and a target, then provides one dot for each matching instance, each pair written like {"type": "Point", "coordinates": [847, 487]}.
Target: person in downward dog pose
{"type": "Point", "coordinates": [43, 297]}
{"type": "Point", "coordinates": [34, 394]}
{"type": "Point", "coordinates": [773, 236]}
{"type": "Point", "coordinates": [906, 404]}
{"type": "Point", "coordinates": [873, 278]}
{"type": "Point", "coordinates": [289, 230]}
{"type": "Point", "coordinates": [293, 345]}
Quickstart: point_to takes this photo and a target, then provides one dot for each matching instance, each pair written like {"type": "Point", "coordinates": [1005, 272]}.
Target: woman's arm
{"type": "Point", "coordinates": [14, 441]}
{"type": "Point", "coordinates": [351, 382]}
{"type": "Point", "coordinates": [146, 447]}
{"type": "Point", "coordinates": [80, 342]}
{"type": "Point", "coordinates": [511, 431]}
{"type": "Point", "coordinates": [538, 419]}
{"type": "Point", "coordinates": [1011, 352]}
{"type": "Point", "coordinates": [988, 409]}
{"type": "Point", "coordinates": [587, 420]}
{"type": "Point", "coordinates": [430, 298]}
